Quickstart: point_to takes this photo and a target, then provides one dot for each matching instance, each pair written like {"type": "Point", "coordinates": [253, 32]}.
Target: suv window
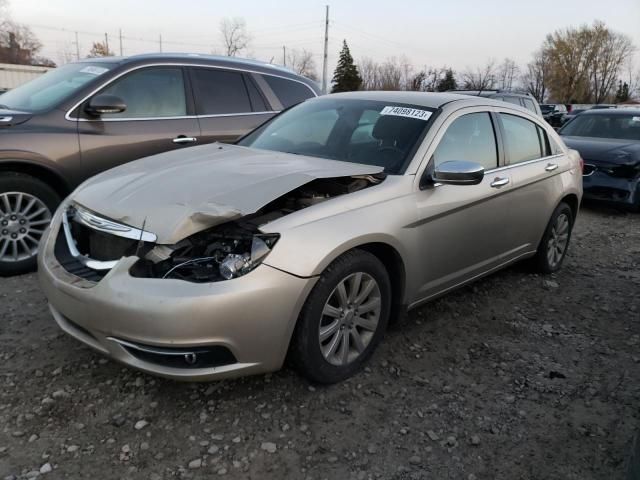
{"type": "Point", "coordinates": [288, 91]}
{"type": "Point", "coordinates": [219, 92]}
{"type": "Point", "coordinates": [150, 93]}
{"type": "Point", "coordinates": [529, 105]}
{"type": "Point", "coordinates": [522, 139]}
{"type": "Point", "coordinates": [470, 137]}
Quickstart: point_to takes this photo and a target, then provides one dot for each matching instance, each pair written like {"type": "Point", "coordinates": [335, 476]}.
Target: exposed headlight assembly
{"type": "Point", "coordinates": [218, 254]}
{"type": "Point", "coordinates": [235, 265]}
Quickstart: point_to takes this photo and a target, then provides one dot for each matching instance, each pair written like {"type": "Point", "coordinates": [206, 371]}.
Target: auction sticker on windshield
{"type": "Point", "coordinates": [94, 70]}
{"type": "Point", "coordinates": [406, 112]}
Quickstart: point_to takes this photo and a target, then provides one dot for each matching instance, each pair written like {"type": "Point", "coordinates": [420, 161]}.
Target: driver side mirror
{"type": "Point", "coordinates": [456, 172]}
{"type": "Point", "coordinates": [105, 104]}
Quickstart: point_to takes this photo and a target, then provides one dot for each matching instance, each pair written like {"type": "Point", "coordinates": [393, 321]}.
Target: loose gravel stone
{"type": "Point", "coordinates": [269, 447]}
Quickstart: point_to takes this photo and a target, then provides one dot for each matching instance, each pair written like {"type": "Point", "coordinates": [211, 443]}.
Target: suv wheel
{"type": "Point", "coordinates": [344, 318]}
{"type": "Point", "coordinates": [555, 241]}
{"type": "Point", "coordinates": [26, 207]}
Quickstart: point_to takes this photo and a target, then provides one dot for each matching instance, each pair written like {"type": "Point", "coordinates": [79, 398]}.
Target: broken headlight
{"type": "Point", "coordinates": [221, 253]}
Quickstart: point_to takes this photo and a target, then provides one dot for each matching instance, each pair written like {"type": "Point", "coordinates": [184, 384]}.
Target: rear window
{"type": "Point", "coordinates": [289, 92]}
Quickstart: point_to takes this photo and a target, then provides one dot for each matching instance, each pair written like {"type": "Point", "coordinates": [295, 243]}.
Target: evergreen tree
{"type": "Point", "coordinates": [346, 78]}
{"type": "Point", "coordinates": [448, 82]}
{"type": "Point", "coordinates": [622, 94]}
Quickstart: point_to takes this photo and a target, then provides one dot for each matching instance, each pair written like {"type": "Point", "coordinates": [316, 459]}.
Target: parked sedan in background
{"type": "Point", "coordinates": [306, 237]}
{"type": "Point", "coordinates": [571, 115]}
{"type": "Point", "coordinates": [86, 117]}
{"type": "Point", "coordinates": [609, 142]}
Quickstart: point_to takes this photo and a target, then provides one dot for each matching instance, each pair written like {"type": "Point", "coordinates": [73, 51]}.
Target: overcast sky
{"type": "Point", "coordinates": [457, 33]}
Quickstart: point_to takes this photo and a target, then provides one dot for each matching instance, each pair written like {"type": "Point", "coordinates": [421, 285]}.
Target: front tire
{"type": "Point", "coordinates": [26, 207]}
{"type": "Point", "coordinates": [343, 319]}
{"type": "Point", "coordinates": [555, 241]}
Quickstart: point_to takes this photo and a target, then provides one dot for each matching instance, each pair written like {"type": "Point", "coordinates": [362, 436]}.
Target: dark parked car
{"type": "Point", "coordinates": [553, 113]}
{"type": "Point", "coordinates": [571, 115]}
{"type": "Point", "coordinates": [609, 143]}
{"type": "Point", "coordinates": [517, 98]}
{"type": "Point", "coordinates": [89, 116]}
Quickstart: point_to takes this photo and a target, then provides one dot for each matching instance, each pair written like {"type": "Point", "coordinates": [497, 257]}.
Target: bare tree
{"type": "Point", "coordinates": [482, 78]}
{"type": "Point", "coordinates": [586, 62]}
{"type": "Point", "coordinates": [301, 62]}
{"type": "Point", "coordinates": [100, 49]}
{"type": "Point", "coordinates": [507, 74]}
{"type": "Point", "coordinates": [234, 35]}
{"type": "Point", "coordinates": [370, 73]}
{"type": "Point", "coordinates": [536, 77]}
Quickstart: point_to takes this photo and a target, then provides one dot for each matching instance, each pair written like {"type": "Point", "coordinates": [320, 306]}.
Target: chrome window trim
{"type": "Point", "coordinates": [527, 162]}
{"type": "Point", "coordinates": [184, 117]}
{"type": "Point", "coordinates": [67, 115]}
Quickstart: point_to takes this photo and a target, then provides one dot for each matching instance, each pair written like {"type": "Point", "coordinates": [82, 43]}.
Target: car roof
{"type": "Point", "coordinates": [423, 99]}
{"type": "Point", "coordinates": [612, 111]}
{"type": "Point", "coordinates": [199, 58]}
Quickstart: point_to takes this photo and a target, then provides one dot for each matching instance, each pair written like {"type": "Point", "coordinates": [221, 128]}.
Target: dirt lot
{"type": "Point", "coordinates": [515, 377]}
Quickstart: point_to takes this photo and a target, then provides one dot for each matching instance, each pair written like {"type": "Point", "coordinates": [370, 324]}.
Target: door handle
{"type": "Point", "coordinates": [181, 139]}
{"type": "Point", "coordinates": [551, 167]}
{"type": "Point", "coordinates": [499, 182]}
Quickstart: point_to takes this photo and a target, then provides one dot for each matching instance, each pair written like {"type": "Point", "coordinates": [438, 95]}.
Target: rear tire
{"type": "Point", "coordinates": [26, 207]}
{"type": "Point", "coordinates": [343, 319]}
{"type": "Point", "coordinates": [555, 241]}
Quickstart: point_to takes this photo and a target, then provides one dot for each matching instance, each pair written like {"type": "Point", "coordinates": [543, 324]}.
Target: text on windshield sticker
{"type": "Point", "coordinates": [94, 70]}
{"type": "Point", "coordinates": [406, 112]}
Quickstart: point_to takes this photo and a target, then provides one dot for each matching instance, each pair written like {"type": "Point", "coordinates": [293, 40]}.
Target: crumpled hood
{"type": "Point", "coordinates": [606, 150]}
{"type": "Point", "coordinates": [178, 193]}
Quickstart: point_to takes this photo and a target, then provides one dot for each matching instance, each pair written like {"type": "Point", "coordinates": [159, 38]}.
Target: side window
{"type": "Point", "coordinates": [514, 100]}
{"type": "Point", "coordinates": [219, 92]}
{"type": "Point", "coordinates": [288, 91]}
{"type": "Point", "coordinates": [528, 104]}
{"type": "Point", "coordinates": [544, 141]}
{"type": "Point", "coordinates": [150, 93]}
{"type": "Point", "coordinates": [522, 140]}
{"type": "Point", "coordinates": [257, 101]}
{"type": "Point", "coordinates": [470, 137]}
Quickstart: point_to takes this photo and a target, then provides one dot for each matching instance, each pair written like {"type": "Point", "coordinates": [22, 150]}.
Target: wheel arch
{"type": "Point", "coordinates": [571, 199]}
{"type": "Point", "coordinates": [39, 171]}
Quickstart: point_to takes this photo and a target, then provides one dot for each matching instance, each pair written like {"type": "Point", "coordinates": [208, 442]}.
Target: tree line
{"type": "Point", "coordinates": [587, 64]}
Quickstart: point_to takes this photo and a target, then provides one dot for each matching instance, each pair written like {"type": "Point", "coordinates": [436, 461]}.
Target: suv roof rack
{"type": "Point", "coordinates": [491, 90]}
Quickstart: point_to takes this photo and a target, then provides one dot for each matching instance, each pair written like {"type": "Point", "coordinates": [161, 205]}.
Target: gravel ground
{"type": "Point", "coordinates": [515, 377]}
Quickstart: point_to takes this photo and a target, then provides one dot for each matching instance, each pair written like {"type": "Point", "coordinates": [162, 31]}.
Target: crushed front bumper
{"type": "Point", "coordinates": [600, 185]}
{"type": "Point", "coordinates": [236, 327]}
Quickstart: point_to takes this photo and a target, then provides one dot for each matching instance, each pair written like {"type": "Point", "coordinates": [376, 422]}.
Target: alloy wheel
{"type": "Point", "coordinates": [350, 318]}
{"type": "Point", "coordinates": [23, 220]}
{"type": "Point", "coordinates": [558, 240]}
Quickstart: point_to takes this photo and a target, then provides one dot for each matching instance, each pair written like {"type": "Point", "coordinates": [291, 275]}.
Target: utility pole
{"type": "Point", "coordinates": [77, 48]}
{"type": "Point", "coordinates": [160, 43]}
{"type": "Point", "coordinates": [326, 47]}
{"type": "Point", "coordinates": [106, 42]}
{"type": "Point", "coordinates": [120, 35]}
{"type": "Point", "coordinates": [284, 55]}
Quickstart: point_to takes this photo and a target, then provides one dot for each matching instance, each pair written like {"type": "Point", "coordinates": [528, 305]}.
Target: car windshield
{"type": "Point", "coordinates": [623, 127]}
{"type": "Point", "coordinates": [360, 131]}
{"type": "Point", "coordinates": [53, 87]}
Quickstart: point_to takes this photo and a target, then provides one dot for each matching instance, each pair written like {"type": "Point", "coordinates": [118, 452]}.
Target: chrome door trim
{"type": "Point", "coordinates": [528, 162]}
{"type": "Point", "coordinates": [67, 115]}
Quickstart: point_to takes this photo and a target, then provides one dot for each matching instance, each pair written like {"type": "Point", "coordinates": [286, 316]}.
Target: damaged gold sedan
{"type": "Point", "coordinates": [303, 239]}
